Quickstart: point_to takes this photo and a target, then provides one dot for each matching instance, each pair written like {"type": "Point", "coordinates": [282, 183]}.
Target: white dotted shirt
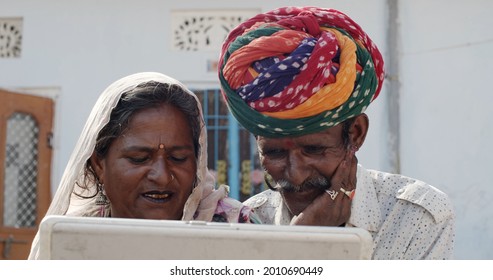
{"type": "Point", "coordinates": [407, 218]}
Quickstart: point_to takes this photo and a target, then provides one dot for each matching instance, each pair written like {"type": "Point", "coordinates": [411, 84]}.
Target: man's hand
{"type": "Point", "coordinates": [325, 211]}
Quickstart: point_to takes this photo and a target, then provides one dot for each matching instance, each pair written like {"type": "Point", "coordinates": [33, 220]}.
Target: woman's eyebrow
{"type": "Point", "coordinates": [137, 148]}
{"type": "Point", "coordinates": [179, 148]}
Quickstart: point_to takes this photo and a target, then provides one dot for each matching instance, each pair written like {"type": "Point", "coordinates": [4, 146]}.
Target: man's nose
{"type": "Point", "coordinates": [160, 173]}
{"type": "Point", "coordinates": [297, 169]}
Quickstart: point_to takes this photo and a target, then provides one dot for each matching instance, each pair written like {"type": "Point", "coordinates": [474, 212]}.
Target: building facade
{"type": "Point", "coordinates": [67, 52]}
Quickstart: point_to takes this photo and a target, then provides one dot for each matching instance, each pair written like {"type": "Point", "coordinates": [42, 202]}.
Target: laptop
{"type": "Point", "coordinates": [89, 238]}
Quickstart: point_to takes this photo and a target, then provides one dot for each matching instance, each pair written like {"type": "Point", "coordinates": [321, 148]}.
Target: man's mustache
{"type": "Point", "coordinates": [319, 183]}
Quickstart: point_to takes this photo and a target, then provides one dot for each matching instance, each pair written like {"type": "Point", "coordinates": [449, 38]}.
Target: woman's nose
{"type": "Point", "coordinates": [160, 172]}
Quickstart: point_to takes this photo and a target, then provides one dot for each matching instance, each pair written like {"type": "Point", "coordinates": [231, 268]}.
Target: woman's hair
{"type": "Point", "coordinates": [144, 96]}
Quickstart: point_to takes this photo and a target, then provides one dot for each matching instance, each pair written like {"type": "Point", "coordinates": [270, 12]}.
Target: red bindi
{"type": "Point", "coordinates": [289, 143]}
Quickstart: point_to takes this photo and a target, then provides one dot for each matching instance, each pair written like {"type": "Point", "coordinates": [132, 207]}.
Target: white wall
{"type": "Point", "coordinates": [80, 47]}
{"type": "Point", "coordinates": [447, 128]}
{"type": "Point", "coordinates": [83, 46]}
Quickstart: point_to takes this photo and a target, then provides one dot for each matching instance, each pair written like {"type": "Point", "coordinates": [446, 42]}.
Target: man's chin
{"type": "Point", "coordinates": [298, 201]}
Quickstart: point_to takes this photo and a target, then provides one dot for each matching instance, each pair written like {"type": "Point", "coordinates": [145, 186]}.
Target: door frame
{"type": "Point", "coordinates": [42, 111]}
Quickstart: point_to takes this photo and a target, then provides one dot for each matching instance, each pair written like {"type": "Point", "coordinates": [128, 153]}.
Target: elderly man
{"type": "Point", "coordinates": [300, 79]}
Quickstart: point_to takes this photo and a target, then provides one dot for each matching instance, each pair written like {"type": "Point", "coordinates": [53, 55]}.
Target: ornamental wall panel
{"type": "Point", "coordinates": [10, 37]}
{"type": "Point", "coordinates": [204, 30]}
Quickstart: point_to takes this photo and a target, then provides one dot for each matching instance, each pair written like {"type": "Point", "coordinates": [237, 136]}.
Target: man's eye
{"type": "Point", "coordinates": [314, 150]}
{"type": "Point", "coordinates": [274, 153]}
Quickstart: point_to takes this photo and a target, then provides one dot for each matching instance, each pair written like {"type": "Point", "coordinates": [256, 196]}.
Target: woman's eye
{"type": "Point", "coordinates": [138, 159]}
{"type": "Point", "coordinates": [178, 158]}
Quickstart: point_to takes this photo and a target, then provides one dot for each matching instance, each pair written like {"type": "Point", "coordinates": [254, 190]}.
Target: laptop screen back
{"type": "Point", "coordinates": [64, 237]}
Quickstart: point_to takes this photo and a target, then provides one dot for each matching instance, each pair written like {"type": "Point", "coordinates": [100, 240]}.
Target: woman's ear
{"type": "Point", "coordinates": [98, 166]}
{"type": "Point", "coordinates": [358, 130]}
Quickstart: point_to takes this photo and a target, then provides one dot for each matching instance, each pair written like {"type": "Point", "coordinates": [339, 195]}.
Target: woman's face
{"type": "Point", "coordinates": [149, 171]}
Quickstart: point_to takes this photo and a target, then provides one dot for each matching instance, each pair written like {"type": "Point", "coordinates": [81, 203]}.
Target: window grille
{"type": "Point", "coordinates": [21, 163]}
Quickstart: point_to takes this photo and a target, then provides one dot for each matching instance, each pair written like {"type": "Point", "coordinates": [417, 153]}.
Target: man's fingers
{"type": "Point", "coordinates": [352, 173]}
{"type": "Point", "coordinates": [341, 175]}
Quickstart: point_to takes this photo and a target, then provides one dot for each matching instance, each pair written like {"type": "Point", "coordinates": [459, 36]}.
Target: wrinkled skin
{"type": "Point", "coordinates": [304, 167]}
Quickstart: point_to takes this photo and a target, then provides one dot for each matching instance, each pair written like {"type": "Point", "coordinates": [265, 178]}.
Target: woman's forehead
{"type": "Point", "coordinates": [164, 123]}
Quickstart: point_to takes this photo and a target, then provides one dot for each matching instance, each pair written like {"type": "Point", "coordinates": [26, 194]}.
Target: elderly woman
{"type": "Point", "coordinates": [142, 154]}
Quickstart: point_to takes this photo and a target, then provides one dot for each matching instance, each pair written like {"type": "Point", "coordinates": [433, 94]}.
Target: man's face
{"type": "Point", "coordinates": [302, 166]}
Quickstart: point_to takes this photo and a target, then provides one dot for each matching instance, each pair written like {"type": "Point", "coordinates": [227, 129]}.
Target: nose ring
{"type": "Point", "coordinates": [172, 177]}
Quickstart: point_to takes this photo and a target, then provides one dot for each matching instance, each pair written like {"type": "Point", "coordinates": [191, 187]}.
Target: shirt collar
{"type": "Point", "coordinates": [365, 210]}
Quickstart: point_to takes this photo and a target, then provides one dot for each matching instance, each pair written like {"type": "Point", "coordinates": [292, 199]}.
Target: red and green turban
{"type": "Point", "coordinates": [298, 70]}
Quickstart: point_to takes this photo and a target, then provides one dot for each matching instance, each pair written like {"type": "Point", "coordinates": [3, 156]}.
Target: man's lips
{"type": "Point", "coordinates": [298, 201]}
{"type": "Point", "coordinates": [309, 193]}
{"type": "Point", "coordinates": [305, 196]}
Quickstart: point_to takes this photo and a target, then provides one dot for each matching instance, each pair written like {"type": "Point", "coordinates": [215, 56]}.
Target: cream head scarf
{"type": "Point", "coordinates": [202, 201]}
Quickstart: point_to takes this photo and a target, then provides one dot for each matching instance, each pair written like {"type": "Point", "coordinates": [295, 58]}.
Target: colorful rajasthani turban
{"type": "Point", "coordinates": [298, 70]}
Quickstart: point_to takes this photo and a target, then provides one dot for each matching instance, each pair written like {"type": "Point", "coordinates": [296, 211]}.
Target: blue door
{"type": "Point", "coordinates": [232, 151]}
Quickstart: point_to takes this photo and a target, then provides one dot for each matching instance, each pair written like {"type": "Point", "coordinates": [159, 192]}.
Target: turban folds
{"type": "Point", "coordinates": [298, 70]}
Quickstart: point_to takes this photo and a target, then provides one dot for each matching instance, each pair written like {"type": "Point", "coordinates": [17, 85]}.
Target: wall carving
{"type": "Point", "coordinates": [10, 37]}
{"type": "Point", "coordinates": [205, 30]}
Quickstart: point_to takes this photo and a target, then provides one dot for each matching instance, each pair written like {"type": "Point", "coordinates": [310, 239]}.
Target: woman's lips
{"type": "Point", "coordinates": [157, 197]}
